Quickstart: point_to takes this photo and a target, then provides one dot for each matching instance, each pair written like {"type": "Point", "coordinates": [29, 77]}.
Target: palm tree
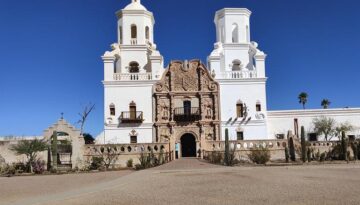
{"type": "Point", "coordinates": [325, 103]}
{"type": "Point", "coordinates": [303, 98]}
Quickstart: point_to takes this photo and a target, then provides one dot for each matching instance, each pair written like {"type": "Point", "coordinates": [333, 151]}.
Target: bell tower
{"type": "Point", "coordinates": [131, 68]}
{"type": "Point", "coordinates": [239, 66]}
{"type": "Point", "coordinates": [135, 50]}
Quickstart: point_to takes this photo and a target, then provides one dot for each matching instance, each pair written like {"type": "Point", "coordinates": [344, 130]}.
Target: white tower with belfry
{"type": "Point", "coordinates": [131, 68]}
{"type": "Point", "coordinates": [239, 67]}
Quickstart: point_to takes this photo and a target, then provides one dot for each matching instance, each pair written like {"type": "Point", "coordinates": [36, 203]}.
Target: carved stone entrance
{"type": "Point", "coordinates": [188, 145]}
{"type": "Point", "coordinates": [186, 100]}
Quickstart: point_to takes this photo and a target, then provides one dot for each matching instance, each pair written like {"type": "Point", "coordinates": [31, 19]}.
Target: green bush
{"type": "Point", "coordinates": [96, 163]}
{"type": "Point", "coordinates": [259, 155]}
{"type": "Point", "coordinates": [129, 163]}
{"type": "Point", "coordinates": [8, 170]}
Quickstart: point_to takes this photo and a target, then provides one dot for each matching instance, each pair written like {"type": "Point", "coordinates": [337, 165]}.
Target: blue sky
{"type": "Point", "coordinates": [50, 52]}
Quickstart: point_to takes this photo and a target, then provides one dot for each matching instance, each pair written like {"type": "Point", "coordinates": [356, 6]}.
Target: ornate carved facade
{"type": "Point", "coordinates": [186, 100]}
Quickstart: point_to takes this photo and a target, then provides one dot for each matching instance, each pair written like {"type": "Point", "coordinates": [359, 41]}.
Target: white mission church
{"type": "Point", "coordinates": [190, 102]}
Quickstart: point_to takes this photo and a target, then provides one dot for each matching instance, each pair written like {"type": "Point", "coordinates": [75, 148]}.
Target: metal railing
{"type": "Point", "coordinates": [186, 114]}
{"type": "Point", "coordinates": [131, 117]}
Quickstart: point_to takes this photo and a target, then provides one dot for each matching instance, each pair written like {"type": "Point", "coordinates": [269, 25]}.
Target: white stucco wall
{"type": "Point", "coordinates": [280, 122]}
{"type": "Point", "coordinates": [249, 92]}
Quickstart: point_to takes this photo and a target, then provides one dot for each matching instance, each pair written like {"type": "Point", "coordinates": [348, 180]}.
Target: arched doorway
{"type": "Point", "coordinates": [188, 145]}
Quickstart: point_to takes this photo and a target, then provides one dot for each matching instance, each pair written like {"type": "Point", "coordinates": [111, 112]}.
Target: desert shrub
{"type": "Point", "coordinates": [215, 157]}
{"type": "Point", "coordinates": [259, 155]}
{"type": "Point", "coordinates": [21, 167]}
{"type": "Point", "coordinates": [129, 163]}
{"type": "Point", "coordinates": [317, 155]}
{"type": "Point", "coordinates": [322, 156]}
{"type": "Point", "coordinates": [38, 166]}
{"type": "Point", "coordinates": [161, 157]}
{"type": "Point", "coordinates": [8, 170]}
{"type": "Point", "coordinates": [355, 150]}
{"type": "Point", "coordinates": [96, 163]}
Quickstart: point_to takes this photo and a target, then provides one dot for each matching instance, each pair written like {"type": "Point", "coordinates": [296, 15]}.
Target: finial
{"type": "Point", "coordinates": [62, 115]}
{"type": "Point", "coordinates": [136, 1]}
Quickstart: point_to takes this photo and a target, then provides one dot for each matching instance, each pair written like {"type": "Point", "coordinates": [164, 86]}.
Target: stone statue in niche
{"type": "Point", "coordinates": [208, 109]}
{"type": "Point", "coordinates": [165, 112]}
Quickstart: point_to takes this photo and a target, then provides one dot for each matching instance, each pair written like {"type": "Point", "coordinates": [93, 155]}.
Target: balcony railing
{"type": "Point", "coordinates": [187, 114]}
{"type": "Point", "coordinates": [131, 117]}
{"type": "Point", "coordinates": [132, 76]}
{"type": "Point", "coordinates": [238, 74]}
{"type": "Point", "coordinates": [133, 41]}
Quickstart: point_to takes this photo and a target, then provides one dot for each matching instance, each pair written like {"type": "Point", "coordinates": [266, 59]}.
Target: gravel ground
{"type": "Point", "coordinates": [191, 181]}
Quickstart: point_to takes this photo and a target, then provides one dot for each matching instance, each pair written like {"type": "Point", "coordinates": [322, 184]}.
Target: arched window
{"type": "Point", "coordinates": [112, 109]}
{"type": "Point", "coordinates": [239, 109]}
{"type": "Point", "coordinates": [120, 35]}
{"type": "Point", "coordinates": [258, 107]}
{"type": "Point", "coordinates": [133, 31]}
{"type": "Point", "coordinates": [236, 65]}
{"type": "Point", "coordinates": [147, 33]}
{"type": "Point", "coordinates": [132, 109]}
{"type": "Point", "coordinates": [235, 33]}
{"type": "Point", "coordinates": [133, 67]}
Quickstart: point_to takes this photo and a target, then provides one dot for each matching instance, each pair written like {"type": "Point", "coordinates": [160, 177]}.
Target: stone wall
{"type": "Point", "coordinates": [243, 147]}
{"type": "Point", "coordinates": [124, 152]}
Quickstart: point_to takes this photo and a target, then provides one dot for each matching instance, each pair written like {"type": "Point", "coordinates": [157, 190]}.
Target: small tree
{"type": "Point", "coordinates": [343, 127]}
{"type": "Point", "coordinates": [325, 103]}
{"type": "Point", "coordinates": [324, 125]}
{"type": "Point", "coordinates": [84, 115]}
{"type": "Point", "coordinates": [303, 144]}
{"type": "Point", "coordinates": [29, 148]}
{"type": "Point", "coordinates": [303, 97]}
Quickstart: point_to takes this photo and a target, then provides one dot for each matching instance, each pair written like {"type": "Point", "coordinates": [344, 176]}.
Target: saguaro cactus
{"type": "Point", "coordinates": [303, 144]}
{"type": "Point", "coordinates": [227, 148]}
{"type": "Point", "coordinates": [292, 149]}
{"type": "Point", "coordinates": [287, 154]}
{"type": "Point", "coordinates": [54, 150]}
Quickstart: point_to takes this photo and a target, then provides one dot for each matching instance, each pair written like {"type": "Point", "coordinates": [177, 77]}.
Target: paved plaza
{"type": "Point", "coordinates": [190, 181]}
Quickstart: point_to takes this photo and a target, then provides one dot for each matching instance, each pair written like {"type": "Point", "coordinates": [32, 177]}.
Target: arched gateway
{"type": "Point", "coordinates": [186, 107]}
{"type": "Point", "coordinates": [188, 145]}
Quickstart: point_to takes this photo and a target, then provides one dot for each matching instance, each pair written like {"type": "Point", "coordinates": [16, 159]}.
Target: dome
{"type": "Point", "coordinates": [135, 5]}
